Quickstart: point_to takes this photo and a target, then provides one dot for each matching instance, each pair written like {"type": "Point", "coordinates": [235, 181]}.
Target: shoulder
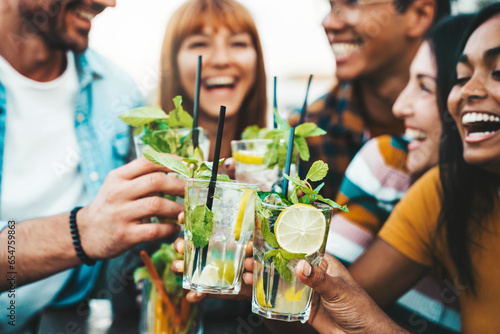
{"type": "Point", "coordinates": [382, 160]}
{"type": "Point", "coordinates": [110, 82]}
{"type": "Point", "coordinates": [412, 226]}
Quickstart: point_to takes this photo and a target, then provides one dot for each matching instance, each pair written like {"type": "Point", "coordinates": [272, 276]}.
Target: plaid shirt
{"type": "Point", "coordinates": [341, 114]}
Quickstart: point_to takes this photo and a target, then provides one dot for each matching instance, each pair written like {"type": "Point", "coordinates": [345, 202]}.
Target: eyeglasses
{"type": "Point", "coordinates": [350, 10]}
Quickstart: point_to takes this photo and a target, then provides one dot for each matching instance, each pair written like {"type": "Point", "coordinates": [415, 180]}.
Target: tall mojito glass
{"type": "Point", "coordinates": [250, 166]}
{"type": "Point", "coordinates": [216, 239]}
{"type": "Point", "coordinates": [279, 242]}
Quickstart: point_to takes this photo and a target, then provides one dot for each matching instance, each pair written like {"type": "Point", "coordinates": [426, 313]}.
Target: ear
{"type": "Point", "coordinates": [419, 17]}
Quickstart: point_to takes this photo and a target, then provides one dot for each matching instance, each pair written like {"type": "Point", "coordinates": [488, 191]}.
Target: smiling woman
{"type": "Point", "coordinates": [225, 35]}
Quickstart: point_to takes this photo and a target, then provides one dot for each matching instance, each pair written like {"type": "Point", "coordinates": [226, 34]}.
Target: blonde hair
{"type": "Point", "coordinates": [190, 19]}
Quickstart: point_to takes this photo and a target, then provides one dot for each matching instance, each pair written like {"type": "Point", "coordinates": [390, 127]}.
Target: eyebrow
{"type": "Point", "coordinates": [488, 54]}
{"type": "Point", "coordinates": [423, 76]}
{"type": "Point", "coordinates": [491, 53]}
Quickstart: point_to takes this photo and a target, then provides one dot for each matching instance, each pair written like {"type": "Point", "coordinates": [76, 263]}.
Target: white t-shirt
{"type": "Point", "coordinates": [40, 175]}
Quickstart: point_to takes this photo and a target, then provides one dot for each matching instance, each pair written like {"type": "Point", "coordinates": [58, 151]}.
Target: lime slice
{"type": "Point", "coordinates": [261, 299]}
{"type": "Point", "coordinates": [300, 229]}
{"type": "Point", "coordinates": [248, 158]}
{"type": "Point", "coordinates": [226, 270]}
{"type": "Point", "coordinates": [209, 276]}
{"type": "Point", "coordinates": [246, 213]}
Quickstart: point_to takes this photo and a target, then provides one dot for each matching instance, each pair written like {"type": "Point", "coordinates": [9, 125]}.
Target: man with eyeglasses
{"type": "Point", "coordinates": [374, 42]}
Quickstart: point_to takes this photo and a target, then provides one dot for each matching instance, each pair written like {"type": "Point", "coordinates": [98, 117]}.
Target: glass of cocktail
{"type": "Point", "coordinates": [216, 239]}
{"type": "Point", "coordinates": [280, 240]}
{"type": "Point", "coordinates": [250, 166]}
{"type": "Point", "coordinates": [164, 307]}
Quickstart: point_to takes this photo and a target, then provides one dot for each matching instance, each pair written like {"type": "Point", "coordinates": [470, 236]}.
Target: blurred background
{"type": "Point", "coordinates": [292, 37]}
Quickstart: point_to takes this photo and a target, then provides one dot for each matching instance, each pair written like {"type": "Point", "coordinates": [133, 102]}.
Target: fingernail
{"type": "Point", "coordinates": [179, 266]}
{"type": "Point", "coordinates": [199, 294]}
{"type": "Point", "coordinates": [306, 268]}
{"type": "Point", "coordinates": [227, 164]}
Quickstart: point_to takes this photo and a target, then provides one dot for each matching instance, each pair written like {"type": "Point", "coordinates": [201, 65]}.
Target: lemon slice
{"type": "Point", "coordinates": [248, 158]}
{"type": "Point", "coordinates": [261, 299]}
{"type": "Point", "coordinates": [293, 296]}
{"type": "Point", "coordinates": [246, 213]}
{"type": "Point", "coordinates": [300, 228]}
{"type": "Point", "coordinates": [226, 270]}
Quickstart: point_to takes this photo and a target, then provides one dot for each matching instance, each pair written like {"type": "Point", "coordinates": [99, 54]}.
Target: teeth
{"type": "Point", "coordinates": [480, 134]}
{"type": "Point", "coordinates": [84, 14]}
{"type": "Point", "coordinates": [415, 134]}
{"type": "Point", "coordinates": [220, 81]}
{"type": "Point", "coordinates": [344, 49]}
{"type": "Point", "coordinates": [479, 117]}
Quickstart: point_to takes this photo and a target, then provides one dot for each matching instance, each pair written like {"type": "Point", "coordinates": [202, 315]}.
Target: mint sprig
{"type": "Point", "coordinates": [202, 220]}
{"type": "Point", "coordinates": [278, 255]}
{"type": "Point", "coordinates": [149, 120]}
{"type": "Point", "coordinates": [276, 150]}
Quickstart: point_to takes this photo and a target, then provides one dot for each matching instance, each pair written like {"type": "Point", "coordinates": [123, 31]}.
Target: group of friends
{"type": "Point", "coordinates": [412, 143]}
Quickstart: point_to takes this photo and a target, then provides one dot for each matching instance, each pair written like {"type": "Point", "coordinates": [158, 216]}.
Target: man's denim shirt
{"type": "Point", "coordinates": [105, 91]}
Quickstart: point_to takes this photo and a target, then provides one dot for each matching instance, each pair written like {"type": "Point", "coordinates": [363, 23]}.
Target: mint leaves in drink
{"type": "Point", "coordinates": [161, 130]}
{"type": "Point", "coordinates": [276, 153]}
{"type": "Point", "coordinates": [279, 256]}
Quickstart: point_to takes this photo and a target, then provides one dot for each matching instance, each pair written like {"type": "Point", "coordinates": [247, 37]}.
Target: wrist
{"type": "Point", "coordinates": [76, 237]}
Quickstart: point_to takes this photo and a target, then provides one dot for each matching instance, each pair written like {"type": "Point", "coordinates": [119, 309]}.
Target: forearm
{"type": "Point", "coordinates": [42, 248]}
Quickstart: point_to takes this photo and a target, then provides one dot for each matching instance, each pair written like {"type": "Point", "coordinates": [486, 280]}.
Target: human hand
{"type": "Point", "coordinates": [111, 224]}
{"type": "Point", "coordinates": [340, 305]}
{"type": "Point", "coordinates": [196, 297]}
{"type": "Point", "coordinates": [228, 168]}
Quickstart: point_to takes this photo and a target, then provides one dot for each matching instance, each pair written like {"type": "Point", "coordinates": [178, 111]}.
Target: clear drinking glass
{"type": "Point", "coordinates": [140, 147]}
{"type": "Point", "coordinates": [156, 318]}
{"type": "Point", "coordinates": [249, 166]}
{"type": "Point", "coordinates": [217, 267]}
{"type": "Point", "coordinates": [272, 296]}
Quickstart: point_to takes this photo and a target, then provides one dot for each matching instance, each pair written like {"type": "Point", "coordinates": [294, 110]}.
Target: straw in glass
{"type": "Point", "coordinates": [196, 104]}
{"type": "Point", "coordinates": [304, 107]}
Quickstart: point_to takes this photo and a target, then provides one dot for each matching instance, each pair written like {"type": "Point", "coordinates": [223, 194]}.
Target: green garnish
{"type": "Point", "coordinates": [279, 256]}
{"type": "Point", "coordinates": [276, 152]}
{"type": "Point", "coordinates": [149, 120]}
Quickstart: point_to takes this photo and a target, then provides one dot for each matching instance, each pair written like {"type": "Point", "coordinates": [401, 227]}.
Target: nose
{"type": "Point", "coordinates": [334, 20]}
{"type": "Point", "coordinates": [106, 3]}
{"type": "Point", "coordinates": [474, 89]}
{"type": "Point", "coordinates": [403, 108]}
{"type": "Point", "coordinates": [220, 56]}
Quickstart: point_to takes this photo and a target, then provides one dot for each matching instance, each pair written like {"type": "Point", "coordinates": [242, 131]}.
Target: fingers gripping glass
{"type": "Point", "coordinates": [350, 10]}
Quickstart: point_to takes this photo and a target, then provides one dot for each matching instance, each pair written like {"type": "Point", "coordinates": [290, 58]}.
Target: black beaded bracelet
{"type": "Point", "coordinates": [76, 238]}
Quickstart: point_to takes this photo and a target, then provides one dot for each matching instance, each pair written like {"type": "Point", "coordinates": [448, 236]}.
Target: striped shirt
{"type": "Point", "coordinates": [374, 183]}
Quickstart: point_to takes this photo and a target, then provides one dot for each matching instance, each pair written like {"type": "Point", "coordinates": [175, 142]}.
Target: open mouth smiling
{"type": "Point", "coordinates": [480, 125]}
{"type": "Point", "coordinates": [220, 82]}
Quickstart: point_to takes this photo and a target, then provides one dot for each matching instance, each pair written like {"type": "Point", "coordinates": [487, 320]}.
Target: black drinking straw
{"type": "Point", "coordinates": [275, 106]}
{"type": "Point", "coordinates": [196, 104]}
{"type": "Point", "coordinates": [215, 169]}
{"type": "Point", "coordinates": [304, 107]}
{"type": "Point", "coordinates": [274, 292]}
{"type": "Point", "coordinates": [288, 160]}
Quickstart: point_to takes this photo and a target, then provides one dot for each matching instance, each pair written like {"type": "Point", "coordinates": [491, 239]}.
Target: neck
{"type": "Point", "coordinates": [380, 90]}
{"type": "Point", "coordinates": [27, 52]}
{"type": "Point", "coordinates": [209, 124]}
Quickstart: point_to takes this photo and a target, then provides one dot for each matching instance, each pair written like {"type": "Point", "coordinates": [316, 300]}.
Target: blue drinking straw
{"type": "Point", "coordinates": [304, 107]}
{"type": "Point", "coordinates": [275, 105]}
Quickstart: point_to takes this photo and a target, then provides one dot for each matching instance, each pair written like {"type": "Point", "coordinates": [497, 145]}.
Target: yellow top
{"type": "Point", "coordinates": [411, 230]}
